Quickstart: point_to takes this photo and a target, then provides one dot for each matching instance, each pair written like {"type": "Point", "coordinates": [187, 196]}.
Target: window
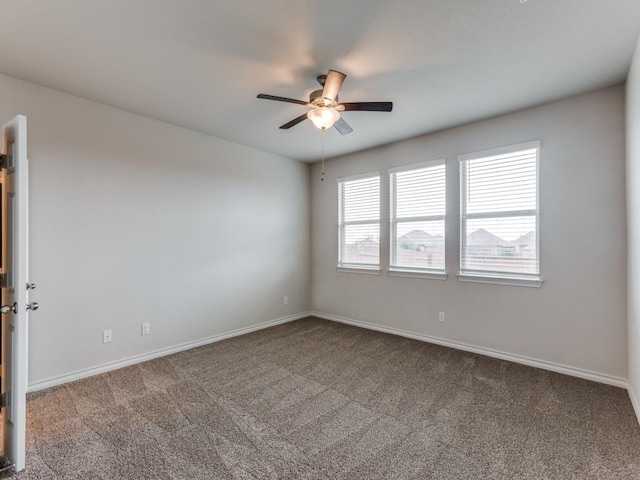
{"type": "Point", "coordinates": [499, 214]}
{"type": "Point", "coordinates": [418, 206]}
{"type": "Point", "coordinates": [359, 222]}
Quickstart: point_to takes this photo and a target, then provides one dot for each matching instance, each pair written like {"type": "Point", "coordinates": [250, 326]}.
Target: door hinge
{"type": "Point", "coordinates": [3, 280]}
{"type": "Point", "coordinates": [4, 160]}
{"type": "Point", "coordinates": [3, 399]}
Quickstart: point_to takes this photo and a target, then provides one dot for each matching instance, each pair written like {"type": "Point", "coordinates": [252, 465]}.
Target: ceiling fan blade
{"type": "Point", "coordinates": [332, 85]}
{"type": "Point", "coordinates": [343, 127]}
{"type": "Point", "coordinates": [282, 99]}
{"type": "Point", "coordinates": [366, 106]}
{"type": "Point", "coordinates": [294, 122]}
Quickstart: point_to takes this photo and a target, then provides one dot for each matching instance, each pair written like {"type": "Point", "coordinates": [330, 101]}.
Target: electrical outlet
{"type": "Point", "coordinates": [285, 301]}
{"type": "Point", "coordinates": [146, 328]}
{"type": "Point", "coordinates": [106, 336]}
{"type": "Point", "coordinates": [441, 317]}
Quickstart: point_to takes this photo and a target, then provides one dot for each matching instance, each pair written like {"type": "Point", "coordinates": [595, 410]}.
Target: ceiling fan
{"type": "Point", "coordinates": [325, 108]}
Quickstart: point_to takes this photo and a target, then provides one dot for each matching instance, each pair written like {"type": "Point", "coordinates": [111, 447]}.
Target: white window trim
{"type": "Point", "coordinates": [418, 273]}
{"type": "Point", "coordinates": [401, 271]}
{"type": "Point", "coordinates": [357, 267]}
{"type": "Point", "coordinates": [500, 150]}
{"type": "Point", "coordinates": [532, 281]}
{"type": "Point", "coordinates": [354, 268]}
{"type": "Point", "coordinates": [498, 278]}
{"type": "Point", "coordinates": [359, 176]}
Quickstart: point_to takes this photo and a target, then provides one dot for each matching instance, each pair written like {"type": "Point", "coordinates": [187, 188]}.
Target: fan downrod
{"type": "Point", "coordinates": [321, 79]}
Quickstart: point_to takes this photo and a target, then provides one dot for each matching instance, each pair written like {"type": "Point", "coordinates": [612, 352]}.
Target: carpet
{"type": "Point", "coordinates": [314, 399]}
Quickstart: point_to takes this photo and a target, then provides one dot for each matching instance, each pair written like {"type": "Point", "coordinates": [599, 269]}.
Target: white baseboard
{"type": "Point", "coordinates": [554, 367]}
{"type": "Point", "coordinates": [125, 362]}
{"type": "Point", "coordinates": [532, 362]}
{"type": "Point", "coordinates": [635, 401]}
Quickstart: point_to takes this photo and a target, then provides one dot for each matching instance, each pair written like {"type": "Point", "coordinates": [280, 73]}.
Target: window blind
{"type": "Point", "coordinates": [418, 207]}
{"type": "Point", "coordinates": [359, 222]}
{"type": "Point", "coordinates": [499, 212]}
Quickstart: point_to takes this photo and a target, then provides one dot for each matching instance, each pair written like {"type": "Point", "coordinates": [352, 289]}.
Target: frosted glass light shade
{"type": "Point", "coordinates": [323, 117]}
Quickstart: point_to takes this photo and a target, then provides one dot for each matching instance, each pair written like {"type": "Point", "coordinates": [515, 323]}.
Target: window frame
{"type": "Point", "coordinates": [342, 224]}
{"type": "Point", "coordinates": [408, 271]}
{"type": "Point", "coordinates": [497, 277]}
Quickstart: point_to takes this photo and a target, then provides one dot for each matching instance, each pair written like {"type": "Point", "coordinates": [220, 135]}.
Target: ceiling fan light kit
{"type": "Point", "coordinates": [323, 117]}
{"type": "Point", "coordinates": [325, 109]}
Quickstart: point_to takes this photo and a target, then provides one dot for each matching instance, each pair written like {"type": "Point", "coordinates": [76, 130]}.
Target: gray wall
{"type": "Point", "coordinates": [578, 318]}
{"type": "Point", "coordinates": [633, 219]}
{"type": "Point", "coordinates": [134, 220]}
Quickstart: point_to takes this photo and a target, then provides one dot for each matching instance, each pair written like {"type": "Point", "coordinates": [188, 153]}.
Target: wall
{"type": "Point", "coordinates": [633, 221]}
{"type": "Point", "coordinates": [134, 220]}
{"type": "Point", "coordinates": [577, 319]}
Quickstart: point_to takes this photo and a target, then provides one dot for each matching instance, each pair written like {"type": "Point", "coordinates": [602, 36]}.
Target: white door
{"type": "Point", "coordinates": [15, 288]}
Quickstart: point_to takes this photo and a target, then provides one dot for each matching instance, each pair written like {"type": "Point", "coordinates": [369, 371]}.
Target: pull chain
{"type": "Point", "coordinates": [322, 140]}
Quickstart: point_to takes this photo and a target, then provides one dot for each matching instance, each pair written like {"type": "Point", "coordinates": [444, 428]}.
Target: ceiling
{"type": "Point", "coordinates": [200, 63]}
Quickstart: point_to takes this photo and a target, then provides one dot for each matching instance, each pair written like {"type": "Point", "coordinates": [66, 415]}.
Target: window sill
{"type": "Point", "coordinates": [363, 270]}
{"type": "Point", "coordinates": [417, 274]}
{"type": "Point", "coordinates": [501, 280]}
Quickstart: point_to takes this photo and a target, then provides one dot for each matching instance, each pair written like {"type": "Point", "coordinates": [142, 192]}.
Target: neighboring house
{"type": "Point", "coordinates": [420, 240]}
{"type": "Point", "coordinates": [485, 244]}
{"type": "Point", "coordinates": [526, 245]}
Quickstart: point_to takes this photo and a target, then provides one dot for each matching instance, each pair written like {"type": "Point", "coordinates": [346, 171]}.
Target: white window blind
{"type": "Point", "coordinates": [418, 207]}
{"type": "Point", "coordinates": [359, 222]}
{"type": "Point", "coordinates": [499, 212]}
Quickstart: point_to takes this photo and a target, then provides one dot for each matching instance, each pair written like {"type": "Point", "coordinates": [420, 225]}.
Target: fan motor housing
{"type": "Point", "coordinates": [315, 98]}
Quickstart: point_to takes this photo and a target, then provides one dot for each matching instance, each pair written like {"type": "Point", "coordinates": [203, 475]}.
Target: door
{"type": "Point", "coordinates": [15, 288]}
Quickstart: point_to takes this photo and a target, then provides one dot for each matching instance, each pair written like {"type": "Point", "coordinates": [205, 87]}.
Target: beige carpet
{"type": "Point", "coordinates": [314, 399]}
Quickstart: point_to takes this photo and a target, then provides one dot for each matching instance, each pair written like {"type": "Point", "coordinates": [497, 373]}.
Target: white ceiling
{"type": "Point", "coordinates": [201, 63]}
